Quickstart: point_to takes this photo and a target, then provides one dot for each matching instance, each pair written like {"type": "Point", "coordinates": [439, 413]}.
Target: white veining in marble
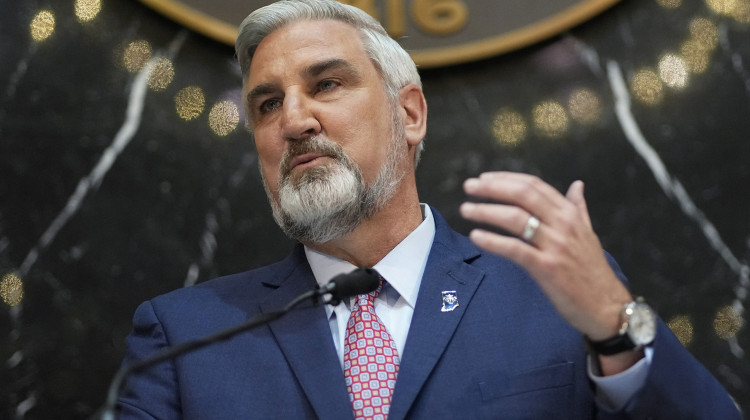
{"type": "Point", "coordinates": [21, 68]}
{"type": "Point", "coordinates": [90, 183]}
{"type": "Point", "coordinates": [674, 189]}
{"type": "Point", "coordinates": [85, 185]}
{"type": "Point", "coordinates": [15, 359]}
{"type": "Point", "coordinates": [4, 242]}
{"type": "Point", "coordinates": [735, 57]}
{"type": "Point", "coordinates": [15, 78]}
{"type": "Point", "coordinates": [24, 406]}
{"type": "Point", "coordinates": [208, 243]}
{"type": "Point", "coordinates": [208, 246]}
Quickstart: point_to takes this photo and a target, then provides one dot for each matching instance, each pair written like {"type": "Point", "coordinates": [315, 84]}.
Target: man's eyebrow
{"type": "Point", "coordinates": [333, 64]}
{"type": "Point", "coordinates": [260, 90]}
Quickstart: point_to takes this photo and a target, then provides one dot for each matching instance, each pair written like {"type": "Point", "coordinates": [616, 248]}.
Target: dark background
{"type": "Point", "coordinates": [86, 242]}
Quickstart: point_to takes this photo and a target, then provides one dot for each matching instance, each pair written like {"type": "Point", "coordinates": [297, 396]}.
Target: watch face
{"type": "Point", "coordinates": [642, 325]}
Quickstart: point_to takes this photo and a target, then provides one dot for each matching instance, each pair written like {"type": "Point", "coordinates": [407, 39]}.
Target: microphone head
{"type": "Point", "coordinates": [359, 281]}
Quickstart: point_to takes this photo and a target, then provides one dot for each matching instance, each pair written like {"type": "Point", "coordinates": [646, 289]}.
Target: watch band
{"type": "Point", "coordinates": [613, 345]}
{"type": "Point", "coordinates": [621, 341]}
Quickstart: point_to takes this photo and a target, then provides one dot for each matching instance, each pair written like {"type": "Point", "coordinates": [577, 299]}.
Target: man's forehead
{"type": "Point", "coordinates": [306, 43]}
{"type": "Point", "coordinates": [307, 25]}
{"type": "Point", "coordinates": [301, 34]}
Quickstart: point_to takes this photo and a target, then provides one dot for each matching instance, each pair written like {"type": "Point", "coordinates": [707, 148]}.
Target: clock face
{"type": "Point", "coordinates": [436, 32]}
{"type": "Point", "coordinates": [642, 325]}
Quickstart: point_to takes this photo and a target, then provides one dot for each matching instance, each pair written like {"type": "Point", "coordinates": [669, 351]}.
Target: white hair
{"type": "Point", "coordinates": [392, 62]}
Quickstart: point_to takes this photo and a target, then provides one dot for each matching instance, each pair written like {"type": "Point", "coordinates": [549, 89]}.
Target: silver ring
{"type": "Point", "coordinates": [530, 229]}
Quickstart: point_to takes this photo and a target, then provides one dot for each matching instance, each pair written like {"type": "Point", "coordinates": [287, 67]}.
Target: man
{"type": "Point", "coordinates": [488, 327]}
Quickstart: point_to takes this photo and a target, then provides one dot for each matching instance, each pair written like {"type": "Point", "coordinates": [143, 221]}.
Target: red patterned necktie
{"type": "Point", "coordinates": [370, 360]}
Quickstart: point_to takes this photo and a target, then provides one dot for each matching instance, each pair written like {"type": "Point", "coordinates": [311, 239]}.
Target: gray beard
{"type": "Point", "coordinates": [328, 201]}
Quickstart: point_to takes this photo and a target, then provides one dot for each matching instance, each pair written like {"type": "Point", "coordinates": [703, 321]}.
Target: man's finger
{"type": "Point", "coordinates": [575, 196]}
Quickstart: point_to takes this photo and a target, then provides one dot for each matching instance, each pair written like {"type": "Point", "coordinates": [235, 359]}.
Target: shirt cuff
{"type": "Point", "coordinates": [614, 391]}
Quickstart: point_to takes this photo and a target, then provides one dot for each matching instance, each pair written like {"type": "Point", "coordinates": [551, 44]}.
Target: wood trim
{"type": "Point", "coordinates": [195, 20]}
{"type": "Point", "coordinates": [512, 40]}
{"type": "Point", "coordinates": [226, 33]}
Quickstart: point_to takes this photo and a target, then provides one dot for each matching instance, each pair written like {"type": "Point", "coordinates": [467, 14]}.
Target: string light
{"type": "Point", "coordinates": [42, 25]}
{"type": "Point", "coordinates": [11, 289]}
{"type": "Point", "coordinates": [550, 119]}
{"type": "Point", "coordinates": [509, 127]}
{"type": "Point", "coordinates": [87, 10]}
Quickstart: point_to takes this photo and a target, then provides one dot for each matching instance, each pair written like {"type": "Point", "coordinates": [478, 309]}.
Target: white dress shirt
{"type": "Point", "coordinates": [403, 268]}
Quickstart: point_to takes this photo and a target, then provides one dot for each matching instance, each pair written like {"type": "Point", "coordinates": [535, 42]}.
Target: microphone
{"type": "Point", "coordinates": [359, 281]}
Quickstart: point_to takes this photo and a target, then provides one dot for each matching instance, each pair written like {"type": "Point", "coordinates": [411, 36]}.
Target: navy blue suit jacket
{"type": "Point", "coordinates": [503, 353]}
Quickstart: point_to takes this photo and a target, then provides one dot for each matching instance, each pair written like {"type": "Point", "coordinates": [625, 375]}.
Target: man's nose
{"type": "Point", "coordinates": [299, 120]}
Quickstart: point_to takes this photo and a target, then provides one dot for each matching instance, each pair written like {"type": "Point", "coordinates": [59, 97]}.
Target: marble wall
{"type": "Point", "coordinates": [118, 184]}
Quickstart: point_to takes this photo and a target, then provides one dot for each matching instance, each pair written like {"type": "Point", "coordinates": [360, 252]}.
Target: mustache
{"type": "Point", "coordinates": [319, 144]}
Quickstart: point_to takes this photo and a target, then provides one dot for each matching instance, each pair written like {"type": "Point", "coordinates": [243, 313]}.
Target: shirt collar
{"type": "Point", "coordinates": [402, 267]}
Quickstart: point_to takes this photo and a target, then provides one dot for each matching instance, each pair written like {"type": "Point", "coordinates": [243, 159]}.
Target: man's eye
{"type": "Point", "coordinates": [269, 105]}
{"type": "Point", "coordinates": [327, 85]}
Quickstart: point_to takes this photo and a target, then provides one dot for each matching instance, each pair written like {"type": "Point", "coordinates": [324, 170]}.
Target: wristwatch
{"type": "Point", "coordinates": [638, 330]}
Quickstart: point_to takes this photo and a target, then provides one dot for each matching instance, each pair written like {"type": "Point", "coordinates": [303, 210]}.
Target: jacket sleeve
{"type": "Point", "coordinates": [151, 393]}
{"type": "Point", "coordinates": [677, 387]}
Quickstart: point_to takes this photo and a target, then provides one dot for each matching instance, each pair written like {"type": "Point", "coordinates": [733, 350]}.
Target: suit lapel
{"type": "Point", "coordinates": [304, 336]}
{"type": "Point", "coordinates": [432, 329]}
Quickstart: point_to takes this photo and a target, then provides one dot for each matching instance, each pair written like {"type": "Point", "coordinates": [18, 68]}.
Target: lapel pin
{"type": "Point", "coordinates": [450, 301]}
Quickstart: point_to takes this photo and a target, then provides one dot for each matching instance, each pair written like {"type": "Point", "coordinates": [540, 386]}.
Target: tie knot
{"type": "Point", "coordinates": [369, 298]}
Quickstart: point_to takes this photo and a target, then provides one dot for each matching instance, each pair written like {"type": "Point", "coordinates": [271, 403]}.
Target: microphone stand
{"type": "Point", "coordinates": [108, 411]}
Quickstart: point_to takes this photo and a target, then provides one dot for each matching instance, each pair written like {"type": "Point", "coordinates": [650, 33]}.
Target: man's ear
{"type": "Point", "coordinates": [414, 113]}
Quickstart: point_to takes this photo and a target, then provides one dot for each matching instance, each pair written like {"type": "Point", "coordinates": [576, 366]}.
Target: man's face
{"type": "Point", "coordinates": [322, 120]}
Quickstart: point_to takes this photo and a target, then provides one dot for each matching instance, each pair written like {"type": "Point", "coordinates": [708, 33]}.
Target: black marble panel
{"type": "Point", "coordinates": [108, 196]}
